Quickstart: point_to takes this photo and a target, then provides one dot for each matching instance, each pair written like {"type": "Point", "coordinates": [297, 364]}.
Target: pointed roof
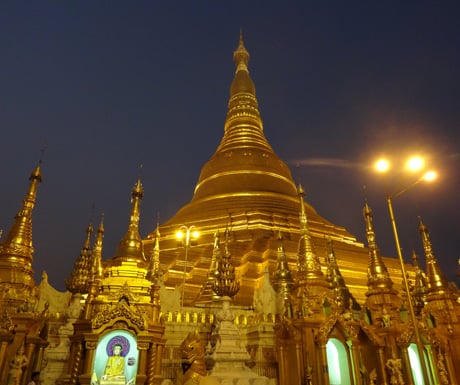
{"type": "Point", "coordinates": [130, 246]}
{"type": "Point", "coordinates": [377, 273]}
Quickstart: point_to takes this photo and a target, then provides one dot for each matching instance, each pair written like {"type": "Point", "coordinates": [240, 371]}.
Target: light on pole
{"type": "Point", "coordinates": [186, 235]}
{"type": "Point", "coordinates": [414, 164]}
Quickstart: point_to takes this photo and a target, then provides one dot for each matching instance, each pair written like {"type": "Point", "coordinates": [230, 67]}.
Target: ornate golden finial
{"type": "Point", "coordinates": [241, 55]}
{"type": "Point", "coordinates": [436, 281]}
{"type": "Point", "coordinates": [225, 284]}
{"type": "Point", "coordinates": [130, 246]}
{"type": "Point", "coordinates": [78, 280]}
{"type": "Point", "coordinates": [309, 266]}
{"type": "Point", "coordinates": [377, 273]}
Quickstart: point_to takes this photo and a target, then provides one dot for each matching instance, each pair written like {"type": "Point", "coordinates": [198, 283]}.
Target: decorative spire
{"type": "Point", "coordinates": [241, 56]}
{"type": "Point", "coordinates": [243, 123]}
{"type": "Point", "coordinates": [309, 266]}
{"type": "Point", "coordinates": [78, 280]}
{"type": "Point", "coordinates": [343, 296]}
{"type": "Point", "coordinates": [18, 242]}
{"type": "Point", "coordinates": [225, 284]}
{"type": "Point", "coordinates": [377, 273]}
{"type": "Point", "coordinates": [16, 253]}
{"type": "Point", "coordinates": [436, 281]}
{"type": "Point", "coordinates": [154, 263]}
{"type": "Point", "coordinates": [130, 246]}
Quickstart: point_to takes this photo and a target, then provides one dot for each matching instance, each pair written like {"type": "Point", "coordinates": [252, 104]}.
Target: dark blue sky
{"type": "Point", "coordinates": [109, 85]}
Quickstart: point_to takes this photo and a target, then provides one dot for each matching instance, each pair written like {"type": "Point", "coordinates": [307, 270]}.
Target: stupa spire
{"type": "Point", "coordinates": [309, 266]}
{"type": "Point", "coordinates": [16, 253]}
{"type": "Point", "coordinates": [18, 241]}
{"type": "Point", "coordinates": [243, 123]}
{"type": "Point", "coordinates": [436, 281]}
{"type": "Point", "coordinates": [377, 273]}
{"type": "Point", "coordinates": [130, 246]}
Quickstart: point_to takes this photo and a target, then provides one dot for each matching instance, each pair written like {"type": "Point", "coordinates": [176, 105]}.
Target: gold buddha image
{"type": "Point", "coordinates": [115, 363]}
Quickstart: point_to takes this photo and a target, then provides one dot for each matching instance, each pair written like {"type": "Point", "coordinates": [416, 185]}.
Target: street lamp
{"type": "Point", "coordinates": [186, 235]}
{"type": "Point", "coordinates": [414, 164]}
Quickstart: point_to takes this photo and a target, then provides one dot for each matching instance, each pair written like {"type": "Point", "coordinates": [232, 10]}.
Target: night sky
{"type": "Point", "coordinates": [106, 86]}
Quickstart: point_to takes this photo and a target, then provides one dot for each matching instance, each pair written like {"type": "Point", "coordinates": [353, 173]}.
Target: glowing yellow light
{"type": "Point", "coordinates": [179, 235]}
{"type": "Point", "coordinates": [195, 234]}
{"type": "Point", "coordinates": [415, 163]}
{"type": "Point", "coordinates": [382, 165]}
{"type": "Point", "coordinates": [430, 176]}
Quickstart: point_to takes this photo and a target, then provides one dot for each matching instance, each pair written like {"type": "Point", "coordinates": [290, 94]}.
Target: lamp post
{"type": "Point", "coordinates": [414, 164]}
{"type": "Point", "coordinates": [185, 236]}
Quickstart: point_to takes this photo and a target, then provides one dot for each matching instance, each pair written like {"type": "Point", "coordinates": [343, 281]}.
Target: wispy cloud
{"type": "Point", "coordinates": [324, 162]}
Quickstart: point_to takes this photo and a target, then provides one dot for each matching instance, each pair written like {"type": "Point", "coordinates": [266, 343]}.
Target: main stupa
{"type": "Point", "coordinates": [247, 189]}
